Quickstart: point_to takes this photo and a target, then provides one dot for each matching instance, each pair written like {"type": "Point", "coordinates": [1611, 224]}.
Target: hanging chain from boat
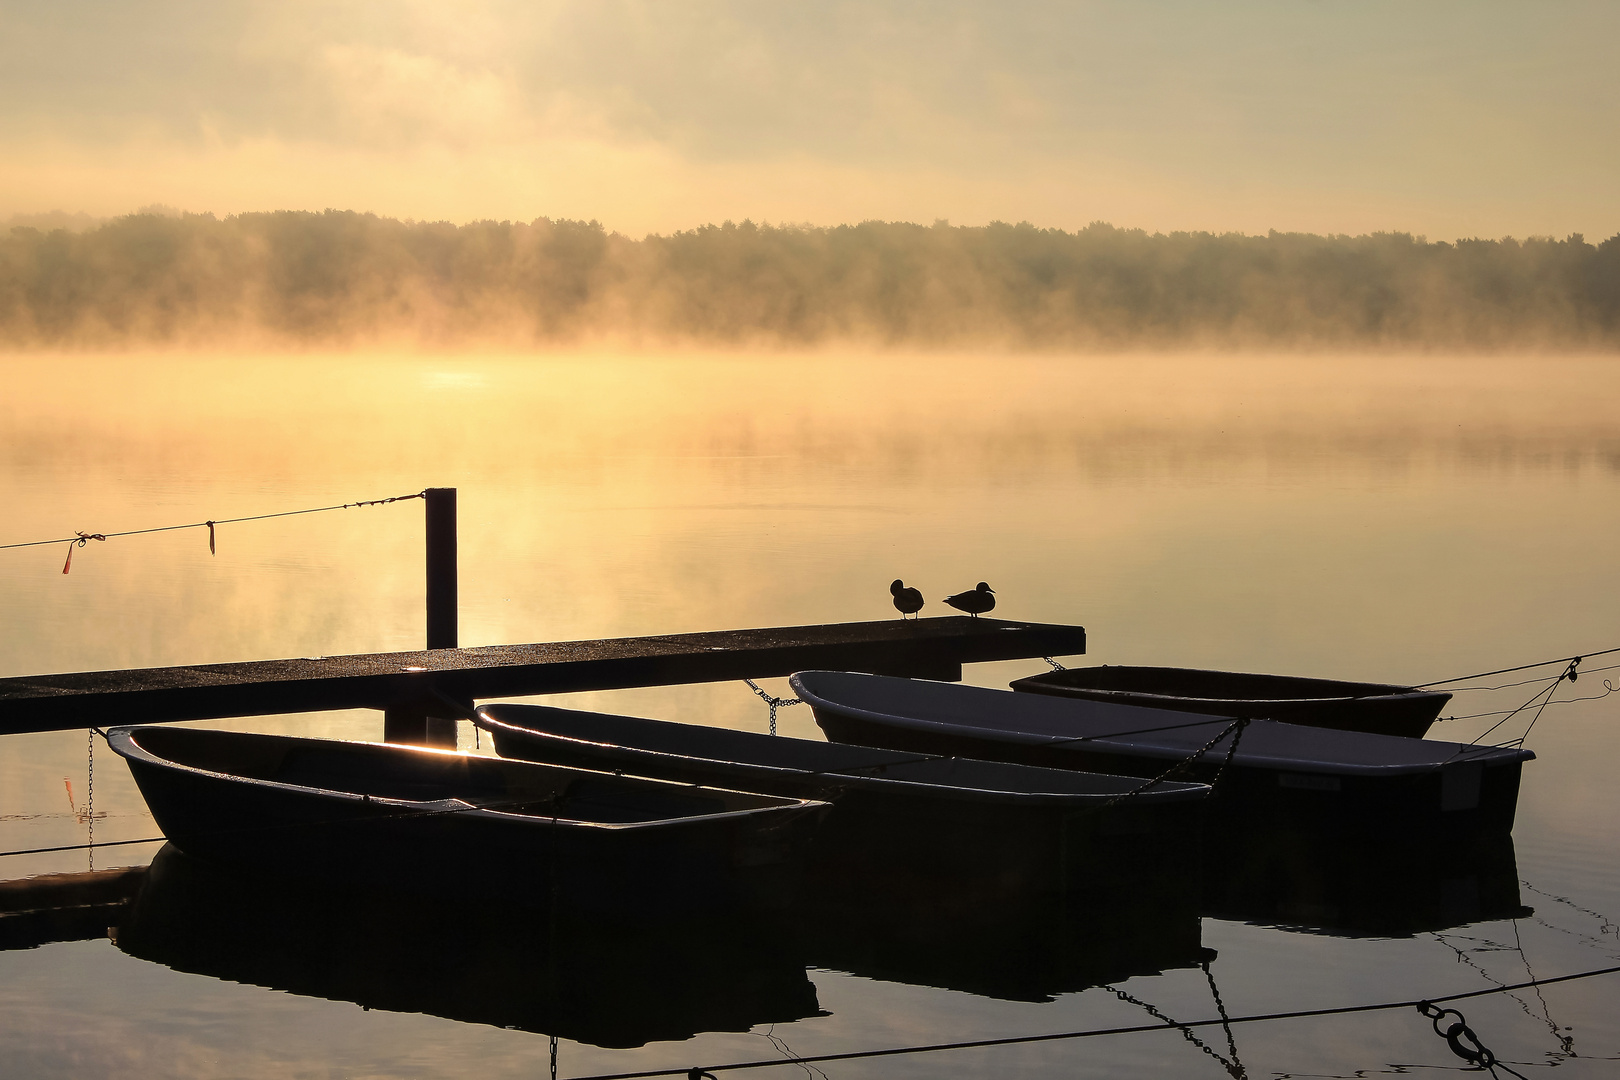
{"type": "Point", "coordinates": [774, 702]}
{"type": "Point", "coordinates": [1055, 665]}
{"type": "Point", "coordinates": [90, 793]}
{"type": "Point", "coordinates": [1231, 751]}
{"type": "Point", "coordinates": [1235, 729]}
{"type": "Point", "coordinates": [1462, 1040]}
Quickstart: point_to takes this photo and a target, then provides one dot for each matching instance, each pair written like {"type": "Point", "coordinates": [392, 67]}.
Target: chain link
{"type": "Point", "coordinates": [90, 793]}
{"type": "Point", "coordinates": [1233, 1067]}
{"type": "Point", "coordinates": [774, 702]}
{"type": "Point", "coordinates": [1055, 665]}
{"type": "Point", "coordinates": [1462, 1040]}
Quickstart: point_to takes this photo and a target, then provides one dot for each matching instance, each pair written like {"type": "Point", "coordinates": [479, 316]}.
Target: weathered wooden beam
{"type": "Point", "coordinates": [932, 648]}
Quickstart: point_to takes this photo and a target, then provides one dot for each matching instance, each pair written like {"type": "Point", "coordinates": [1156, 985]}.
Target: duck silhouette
{"type": "Point", "coordinates": [907, 601]}
{"type": "Point", "coordinates": [975, 601]}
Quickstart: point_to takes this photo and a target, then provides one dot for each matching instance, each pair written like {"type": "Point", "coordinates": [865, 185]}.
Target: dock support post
{"type": "Point", "coordinates": [414, 722]}
{"type": "Point", "coordinates": [441, 568]}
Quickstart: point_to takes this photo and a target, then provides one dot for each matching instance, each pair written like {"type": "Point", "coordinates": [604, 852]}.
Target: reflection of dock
{"type": "Point", "coordinates": [65, 907]}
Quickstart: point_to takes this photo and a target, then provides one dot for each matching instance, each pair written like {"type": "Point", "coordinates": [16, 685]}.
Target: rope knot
{"type": "Point", "coordinates": [79, 540]}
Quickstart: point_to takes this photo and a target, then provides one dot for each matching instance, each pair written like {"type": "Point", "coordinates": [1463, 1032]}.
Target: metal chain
{"type": "Point", "coordinates": [554, 1057]}
{"type": "Point", "coordinates": [90, 795]}
{"type": "Point", "coordinates": [1220, 1006]}
{"type": "Point", "coordinates": [1462, 1040]}
{"type": "Point", "coordinates": [1235, 729]}
{"type": "Point", "coordinates": [1233, 1068]}
{"type": "Point", "coordinates": [774, 702]}
{"type": "Point", "coordinates": [1055, 665]}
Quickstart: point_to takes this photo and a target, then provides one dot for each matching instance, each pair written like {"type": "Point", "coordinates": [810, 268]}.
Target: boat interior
{"type": "Point", "coordinates": [841, 759]}
{"type": "Point", "coordinates": [420, 774]}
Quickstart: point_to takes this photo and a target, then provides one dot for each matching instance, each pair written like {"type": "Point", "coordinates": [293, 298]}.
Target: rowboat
{"type": "Point", "coordinates": [1380, 708]}
{"type": "Point", "coordinates": [582, 976]}
{"type": "Point", "coordinates": [376, 811]}
{"type": "Point", "coordinates": [1355, 778]}
{"type": "Point", "coordinates": [897, 817]}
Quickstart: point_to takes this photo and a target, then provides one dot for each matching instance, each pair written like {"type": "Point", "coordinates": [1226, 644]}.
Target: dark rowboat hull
{"type": "Point", "coordinates": [898, 822]}
{"type": "Point", "coordinates": [1328, 703]}
{"type": "Point", "coordinates": [373, 812]}
{"type": "Point", "coordinates": [1279, 772]}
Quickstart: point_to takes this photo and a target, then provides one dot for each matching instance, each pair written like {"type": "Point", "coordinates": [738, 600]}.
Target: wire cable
{"type": "Point", "coordinates": [1015, 1040]}
{"type": "Point", "coordinates": [1521, 667]}
{"type": "Point", "coordinates": [80, 538]}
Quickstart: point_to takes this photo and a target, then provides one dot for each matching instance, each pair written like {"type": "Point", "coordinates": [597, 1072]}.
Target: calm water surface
{"type": "Point", "coordinates": [1399, 519]}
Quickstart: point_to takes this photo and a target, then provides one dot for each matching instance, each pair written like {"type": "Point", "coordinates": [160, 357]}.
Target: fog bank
{"type": "Point", "coordinates": [344, 278]}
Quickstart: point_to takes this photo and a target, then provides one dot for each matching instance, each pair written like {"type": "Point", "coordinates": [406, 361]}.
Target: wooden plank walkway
{"type": "Point", "coordinates": [931, 648]}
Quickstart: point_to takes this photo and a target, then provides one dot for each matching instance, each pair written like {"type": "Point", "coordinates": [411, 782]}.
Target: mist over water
{"type": "Point", "coordinates": [339, 279]}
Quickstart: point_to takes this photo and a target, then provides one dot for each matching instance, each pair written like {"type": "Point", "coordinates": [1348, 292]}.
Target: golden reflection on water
{"type": "Point", "coordinates": [1399, 518]}
{"type": "Point", "coordinates": [609, 494]}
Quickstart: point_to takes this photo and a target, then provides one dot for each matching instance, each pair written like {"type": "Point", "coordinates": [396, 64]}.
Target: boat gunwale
{"type": "Point", "coordinates": [1167, 791]}
{"type": "Point", "coordinates": [1505, 756]}
{"type": "Point", "coordinates": [123, 742]}
{"type": "Point", "coordinates": [1383, 692]}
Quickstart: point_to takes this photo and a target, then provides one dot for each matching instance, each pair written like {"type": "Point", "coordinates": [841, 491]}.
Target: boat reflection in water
{"type": "Point", "coordinates": [612, 983]}
{"type": "Point", "coordinates": [1024, 938]}
{"type": "Point", "coordinates": [1029, 947]}
{"type": "Point", "coordinates": [1388, 885]}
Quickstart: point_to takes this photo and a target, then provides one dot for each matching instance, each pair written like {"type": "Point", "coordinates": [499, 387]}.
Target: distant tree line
{"type": "Point", "coordinates": [349, 278]}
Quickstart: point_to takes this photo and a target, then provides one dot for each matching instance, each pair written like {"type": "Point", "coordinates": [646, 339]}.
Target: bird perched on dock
{"type": "Point", "coordinates": [907, 601]}
{"type": "Point", "coordinates": [975, 601]}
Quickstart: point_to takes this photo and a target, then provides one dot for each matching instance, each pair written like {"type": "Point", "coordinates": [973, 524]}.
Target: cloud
{"type": "Point", "coordinates": [1443, 118]}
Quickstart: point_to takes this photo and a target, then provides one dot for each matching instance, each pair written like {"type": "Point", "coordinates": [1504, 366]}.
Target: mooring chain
{"type": "Point", "coordinates": [90, 793]}
{"type": "Point", "coordinates": [1233, 1068]}
{"type": "Point", "coordinates": [1462, 1040]}
{"type": "Point", "coordinates": [774, 702]}
{"type": "Point", "coordinates": [1235, 729]}
{"type": "Point", "coordinates": [1220, 1007]}
{"type": "Point", "coordinates": [1055, 665]}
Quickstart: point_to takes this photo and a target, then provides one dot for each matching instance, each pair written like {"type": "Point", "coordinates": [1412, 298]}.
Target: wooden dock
{"type": "Point", "coordinates": [409, 685]}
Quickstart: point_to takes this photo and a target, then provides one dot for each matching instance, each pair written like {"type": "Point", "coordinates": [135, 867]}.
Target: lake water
{"type": "Point", "coordinates": [1400, 519]}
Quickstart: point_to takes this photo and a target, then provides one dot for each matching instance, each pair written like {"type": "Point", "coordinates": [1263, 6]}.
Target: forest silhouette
{"type": "Point", "coordinates": [344, 278]}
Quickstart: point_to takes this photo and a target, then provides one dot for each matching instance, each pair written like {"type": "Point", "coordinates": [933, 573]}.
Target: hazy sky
{"type": "Point", "coordinates": [1442, 117]}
